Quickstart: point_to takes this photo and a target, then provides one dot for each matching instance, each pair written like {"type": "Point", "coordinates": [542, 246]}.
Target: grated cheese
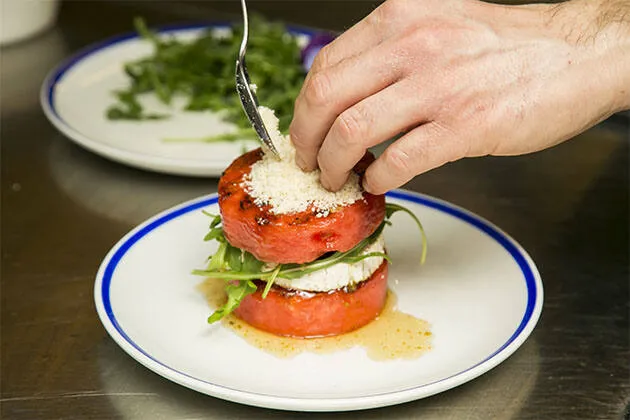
{"type": "Point", "coordinates": [282, 185]}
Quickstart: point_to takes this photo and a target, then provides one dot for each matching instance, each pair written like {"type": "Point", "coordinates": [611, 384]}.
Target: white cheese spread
{"type": "Point", "coordinates": [338, 275]}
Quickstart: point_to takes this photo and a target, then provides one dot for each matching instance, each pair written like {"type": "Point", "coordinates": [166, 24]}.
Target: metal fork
{"type": "Point", "coordinates": [245, 92]}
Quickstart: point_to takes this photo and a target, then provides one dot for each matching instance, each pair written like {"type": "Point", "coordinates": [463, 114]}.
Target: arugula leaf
{"type": "Point", "coordinates": [241, 134]}
{"type": "Point", "coordinates": [217, 261]}
{"type": "Point", "coordinates": [130, 109]}
{"type": "Point", "coordinates": [201, 71]}
{"type": "Point", "coordinates": [215, 232]}
{"type": "Point", "coordinates": [271, 280]}
{"type": "Point", "coordinates": [236, 292]}
{"type": "Point", "coordinates": [292, 271]}
{"type": "Point", "coordinates": [251, 264]}
{"type": "Point", "coordinates": [233, 257]}
{"type": "Point", "coordinates": [352, 260]}
{"type": "Point", "coordinates": [216, 219]}
{"type": "Point", "coordinates": [233, 275]}
{"type": "Point", "coordinates": [391, 208]}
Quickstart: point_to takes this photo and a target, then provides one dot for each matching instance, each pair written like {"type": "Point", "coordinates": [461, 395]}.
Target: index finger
{"type": "Point", "coordinates": [308, 127]}
{"type": "Point", "coordinates": [331, 91]}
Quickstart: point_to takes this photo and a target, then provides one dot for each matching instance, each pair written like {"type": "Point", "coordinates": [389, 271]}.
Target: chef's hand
{"type": "Point", "coordinates": [459, 79]}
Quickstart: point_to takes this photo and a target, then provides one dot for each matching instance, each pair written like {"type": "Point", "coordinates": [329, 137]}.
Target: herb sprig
{"type": "Point", "coordinates": [202, 71]}
{"type": "Point", "coordinates": [240, 268]}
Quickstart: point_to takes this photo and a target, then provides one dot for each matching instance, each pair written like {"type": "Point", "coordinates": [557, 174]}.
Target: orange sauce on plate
{"type": "Point", "coordinates": [392, 335]}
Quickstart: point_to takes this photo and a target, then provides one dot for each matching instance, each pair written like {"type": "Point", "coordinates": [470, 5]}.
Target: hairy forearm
{"type": "Point", "coordinates": [613, 21]}
{"type": "Point", "coordinates": [603, 27]}
{"type": "Point", "coordinates": [585, 21]}
{"type": "Point", "coordinates": [615, 13]}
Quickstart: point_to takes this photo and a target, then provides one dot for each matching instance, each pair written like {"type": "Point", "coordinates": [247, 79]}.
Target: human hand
{"type": "Point", "coordinates": [459, 79]}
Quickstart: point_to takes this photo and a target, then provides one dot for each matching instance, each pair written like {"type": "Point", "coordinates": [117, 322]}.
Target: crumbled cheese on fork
{"type": "Point", "coordinates": [282, 185]}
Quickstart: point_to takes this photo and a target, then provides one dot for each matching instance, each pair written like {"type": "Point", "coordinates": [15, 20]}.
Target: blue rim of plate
{"type": "Point", "coordinates": [530, 317]}
{"type": "Point", "coordinates": [47, 93]}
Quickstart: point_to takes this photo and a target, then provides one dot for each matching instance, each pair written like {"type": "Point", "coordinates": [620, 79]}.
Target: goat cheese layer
{"type": "Point", "coordinates": [339, 275]}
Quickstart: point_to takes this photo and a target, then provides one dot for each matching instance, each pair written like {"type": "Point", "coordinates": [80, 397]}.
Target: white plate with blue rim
{"type": "Point", "coordinates": [479, 290]}
{"type": "Point", "coordinates": [76, 95]}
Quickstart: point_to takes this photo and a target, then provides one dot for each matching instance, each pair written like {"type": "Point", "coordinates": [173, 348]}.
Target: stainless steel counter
{"type": "Point", "coordinates": [63, 208]}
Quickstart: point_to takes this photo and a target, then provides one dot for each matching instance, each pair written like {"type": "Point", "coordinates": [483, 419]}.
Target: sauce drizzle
{"type": "Point", "coordinates": [392, 335]}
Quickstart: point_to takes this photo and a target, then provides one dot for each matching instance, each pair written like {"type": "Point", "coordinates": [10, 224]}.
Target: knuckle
{"type": "Point", "coordinates": [374, 20]}
{"type": "Point", "coordinates": [462, 146]}
{"type": "Point", "coordinates": [324, 164]}
{"type": "Point", "coordinates": [298, 100]}
{"type": "Point", "coordinates": [388, 12]}
{"type": "Point", "coordinates": [373, 182]}
{"type": "Point", "coordinates": [322, 58]}
{"type": "Point", "coordinates": [332, 174]}
{"type": "Point", "coordinates": [456, 148]}
{"type": "Point", "coordinates": [351, 127]}
{"type": "Point", "coordinates": [317, 91]}
{"type": "Point", "coordinates": [399, 162]}
{"type": "Point", "coordinates": [428, 40]}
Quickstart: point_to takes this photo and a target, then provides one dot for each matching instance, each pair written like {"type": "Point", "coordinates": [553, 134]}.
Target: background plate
{"type": "Point", "coordinates": [76, 95]}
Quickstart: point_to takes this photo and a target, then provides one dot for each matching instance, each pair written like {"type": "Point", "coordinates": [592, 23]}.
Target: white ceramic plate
{"type": "Point", "coordinates": [76, 95]}
{"type": "Point", "coordinates": [479, 289]}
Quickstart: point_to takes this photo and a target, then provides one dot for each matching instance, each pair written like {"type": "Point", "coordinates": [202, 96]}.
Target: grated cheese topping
{"type": "Point", "coordinates": [281, 184]}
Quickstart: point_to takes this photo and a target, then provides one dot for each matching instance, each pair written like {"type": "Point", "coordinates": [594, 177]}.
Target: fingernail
{"type": "Point", "coordinates": [324, 181]}
{"type": "Point", "coordinates": [300, 162]}
{"type": "Point", "coordinates": [366, 185]}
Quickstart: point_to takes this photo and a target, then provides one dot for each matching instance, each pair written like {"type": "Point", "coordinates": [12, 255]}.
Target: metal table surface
{"type": "Point", "coordinates": [63, 208]}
